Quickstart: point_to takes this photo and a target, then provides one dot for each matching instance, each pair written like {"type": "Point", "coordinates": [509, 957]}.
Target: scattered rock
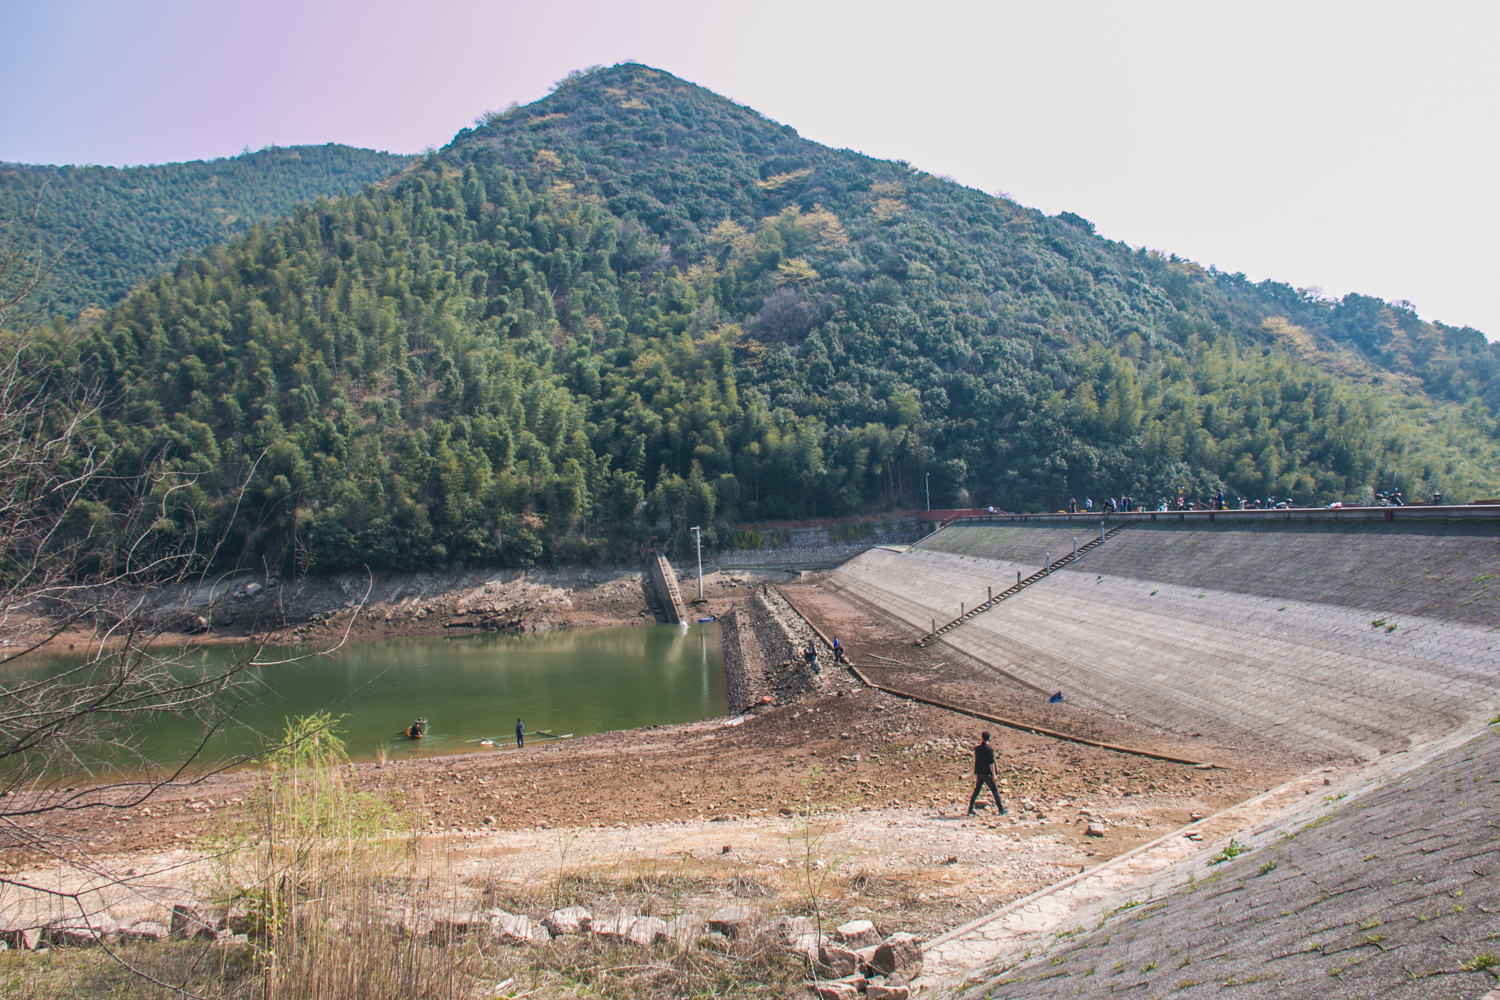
{"type": "Point", "coordinates": [144, 930]}
{"type": "Point", "coordinates": [25, 939]}
{"type": "Point", "coordinates": [76, 933]}
{"type": "Point", "coordinates": [806, 945]}
{"type": "Point", "coordinates": [885, 991]}
{"type": "Point", "coordinates": [516, 928]}
{"type": "Point", "coordinates": [628, 927]}
{"type": "Point", "coordinates": [792, 928]}
{"type": "Point", "coordinates": [857, 933]}
{"type": "Point", "coordinates": [251, 589]}
{"type": "Point", "coordinates": [686, 929]}
{"type": "Point", "coordinates": [648, 931]}
{"type": "Point", "coordinates": [1194, 817]}
{"type": "Point", "coordinates": [833, 991]}
{"type": "Point", "coordinates": [836, 960]}
{"type": "Point", "coordinates": [733, 921]}
{"type": "Point", "coordinates": [1094, 830]}
{"type": "Point", "coordinates": [189, 923]}
{"type": "Point", "coordinates": [568, 920]}
{"type": "Point", "coordinates": [454, 926]}
{"type": "Point", "coordinates": [901, 952]}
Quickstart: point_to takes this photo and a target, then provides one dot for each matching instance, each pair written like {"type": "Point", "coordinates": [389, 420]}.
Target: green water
{"type": "Point", "coordinates": [469, 688]}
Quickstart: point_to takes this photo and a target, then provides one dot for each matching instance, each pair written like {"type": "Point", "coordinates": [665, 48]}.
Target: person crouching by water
{"type": "Point", "coordinates": [984, 772]}
{"type": "Point", "coordinates": [417, 729]}
{"type": "Point", "coordinates": [520, 735]}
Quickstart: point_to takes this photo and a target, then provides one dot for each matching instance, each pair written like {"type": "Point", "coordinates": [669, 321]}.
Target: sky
{"type": "Point", "coordinates": [1339, 146]}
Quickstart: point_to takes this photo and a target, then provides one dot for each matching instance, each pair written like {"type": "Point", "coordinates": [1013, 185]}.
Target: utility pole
{"type": "Point", "coordinates": [927, 488]}
{"type": "Point", "coordinates": [698, 538]}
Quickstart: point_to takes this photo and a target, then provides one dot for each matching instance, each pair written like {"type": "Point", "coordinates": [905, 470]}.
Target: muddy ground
{"type": "Point", "coordinates": [890, 776]}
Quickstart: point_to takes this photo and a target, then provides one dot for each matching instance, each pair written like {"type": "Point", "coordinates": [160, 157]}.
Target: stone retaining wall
{"type": "Point", "coordinates": [762, 640]}
{"type": "Point", "coordinates": [820, 546]}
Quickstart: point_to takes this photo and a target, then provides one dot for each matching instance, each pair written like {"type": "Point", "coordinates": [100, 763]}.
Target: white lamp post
{"type": "Point", "coordinates": [698, 538]}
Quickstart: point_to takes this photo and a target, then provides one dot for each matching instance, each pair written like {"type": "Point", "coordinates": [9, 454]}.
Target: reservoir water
{"type": "Point", "coordinates": [469, 688]}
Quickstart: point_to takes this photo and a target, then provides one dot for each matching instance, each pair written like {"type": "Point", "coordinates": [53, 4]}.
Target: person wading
{"type": "Point", "coordinates": [984, 773]}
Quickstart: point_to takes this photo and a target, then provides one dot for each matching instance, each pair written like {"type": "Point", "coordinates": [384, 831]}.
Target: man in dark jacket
{"type": "Point", "coordinates": [985, 773]}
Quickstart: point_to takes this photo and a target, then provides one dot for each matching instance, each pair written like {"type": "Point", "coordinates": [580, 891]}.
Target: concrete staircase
{"type": "Point", "coordinates": [1020, 585]}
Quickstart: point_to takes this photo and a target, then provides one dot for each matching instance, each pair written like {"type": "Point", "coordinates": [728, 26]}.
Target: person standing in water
{"type": "Point", "coordinates": [984, 773]}
{"type": "Point", "coordinates": [520, 735]}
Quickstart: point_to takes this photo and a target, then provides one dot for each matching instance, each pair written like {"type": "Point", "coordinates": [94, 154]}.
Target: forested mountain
{"type": "Point", "coordinates": [127, 224]}
{"type": "Point", "coordinates": [635, 306]}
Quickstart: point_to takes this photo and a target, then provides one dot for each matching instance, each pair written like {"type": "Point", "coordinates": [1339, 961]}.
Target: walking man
{"type": "Point", "coordinates": [984, 773]}
{"type": "Point", "coordinates": [520, 735]}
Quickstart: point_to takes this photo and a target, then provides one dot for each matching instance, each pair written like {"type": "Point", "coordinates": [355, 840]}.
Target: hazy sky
{"type": "Point", "coordinates": [1349, 146]}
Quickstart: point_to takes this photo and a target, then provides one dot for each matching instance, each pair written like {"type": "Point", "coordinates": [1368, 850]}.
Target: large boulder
{"type": "Point", "coordinates": [886, 991]}
{"type": "Point", "coordinates": [901, 952]}
{"type": "Point", "coordinates": [569, 920]}
{"type": "Point", "coordinates": [833, 991]}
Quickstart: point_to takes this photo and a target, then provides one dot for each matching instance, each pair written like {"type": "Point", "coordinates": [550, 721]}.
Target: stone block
{"type": "Point", "coordinates": [191, 923]}
{"type": "Point", "coordinates": [685, 931]}
{"type": "Point", "coordinates": [77, 933]}
{"type": "Point", "coordinates": [144, 930]}
{"type": "Point", "coordinates": [452, 926]}
{"type": "Point", "coordinates": [836, 960]}
{"type": "Point", "coordinates": [856, 933]}
{"type": "Point", "coordinates": [569, 920]}
{"type": "Point", "coordinates": [631, 928]}
{"type": "Point", "coordinates": [901, 952]}
{"type": "Point", "coordinates": [516, 928]}
{"type": "Point", "coordinates": [733, 921]}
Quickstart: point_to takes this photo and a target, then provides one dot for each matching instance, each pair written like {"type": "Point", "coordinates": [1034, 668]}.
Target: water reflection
{"type": "Point", "coordinates": [470, 688]}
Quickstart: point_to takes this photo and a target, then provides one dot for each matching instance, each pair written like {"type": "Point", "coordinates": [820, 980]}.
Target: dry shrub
{"type": "Point", "coordinates": [329, 887]}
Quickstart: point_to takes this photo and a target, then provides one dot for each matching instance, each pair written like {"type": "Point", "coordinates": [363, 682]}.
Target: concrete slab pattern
{"type": "Point", "coordinates": [1190, 659]}
{"type": "Point", "coordinates": [1384, 887]}
{"type": "Point", "coordinates": [1449, 570]}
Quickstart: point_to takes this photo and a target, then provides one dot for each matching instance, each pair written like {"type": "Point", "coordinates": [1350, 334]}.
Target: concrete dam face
{"type": "Point", "coordinates": [1335, 641]}
{"type": "Point", "coordinates": [1348, 639]}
